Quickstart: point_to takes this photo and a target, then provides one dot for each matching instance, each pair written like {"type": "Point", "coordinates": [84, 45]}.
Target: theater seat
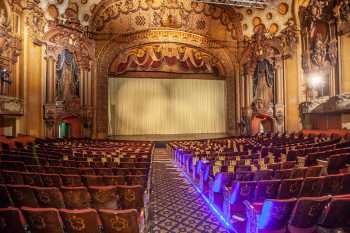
{"type": "Point", "coordinates": [289, 188]}
{"type": "Point", "coordinates": [52, 180]}
{"type": "Point", "coordinates": [103, 197]}
{"type": "Point", "coordinates": [306, 213]}
{"type": "Point", "coordinates": [119, 221]}
{"type": "Point", "coordinates": [49, 197]}
{"type": "Point", "coordinates": [81, 221]}
{"type": "Point", "coordinates": [5, 197]}
{"type": "Point", "coordinates": [43, 220]}
{"type": "Point", "coordinates": [273, 217]}
{"type": "Point", "coordinates": [23, 195]}
{"type": "Point", "coordinates": [12, 221]}
{"type": "Point", "coordinates": [76, 197]}
{"type": "Point", "coordinates": [266, 189]}
{"type": "Point", "coordinates": [130, 197]}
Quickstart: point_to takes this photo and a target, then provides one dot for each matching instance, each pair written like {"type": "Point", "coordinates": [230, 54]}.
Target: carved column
{"type": "Point", "coordinates": [238, 95]}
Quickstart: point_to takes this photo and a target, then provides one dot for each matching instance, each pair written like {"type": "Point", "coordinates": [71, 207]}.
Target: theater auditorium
{"type": "Point", "coordinates": [174, 116]}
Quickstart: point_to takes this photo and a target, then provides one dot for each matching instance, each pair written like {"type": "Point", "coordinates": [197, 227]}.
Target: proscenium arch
{"type": "Point", "coordinates": [117, 44]}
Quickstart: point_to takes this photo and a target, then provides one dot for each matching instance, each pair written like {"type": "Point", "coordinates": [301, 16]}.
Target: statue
{"type": "Point", "coordinates": [67, 77]}
{"type": "Point", "coordinates": [3, 18]}
{"type": "Point", "coordinates": [319, 50]}
{"type": "Point", "coordinates": [263, 82]}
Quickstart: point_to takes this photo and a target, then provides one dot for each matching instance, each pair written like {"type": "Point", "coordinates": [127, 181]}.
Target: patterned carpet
{"type": "Point", "coordinates": [175, 205]}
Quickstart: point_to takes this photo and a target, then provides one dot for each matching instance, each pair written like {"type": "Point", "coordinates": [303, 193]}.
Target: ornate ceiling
{"type": "Point", "coordinates": [126, 16]}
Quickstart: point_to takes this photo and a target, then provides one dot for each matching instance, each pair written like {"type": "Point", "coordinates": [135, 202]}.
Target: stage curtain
{"type": "Point", "coordinates": [139, 106]}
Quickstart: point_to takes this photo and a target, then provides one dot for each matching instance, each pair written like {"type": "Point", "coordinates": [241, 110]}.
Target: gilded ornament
{"type": "Point", "coordinates": [130, 195]}
{"type": "Point", "coordinates": [119, 224]}
{"type": "Point", "coordinates": [38, 222]}
{"type": "Point", "coordinates": [76, 223]}
{"type": "Point", "coordinates": [44, 197]}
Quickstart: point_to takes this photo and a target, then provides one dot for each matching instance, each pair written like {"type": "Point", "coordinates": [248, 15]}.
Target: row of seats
{"type": "Point", "coordinates": [58, 180]}
{"type": "Point", "coordinates": [303, 215]}
{"type": "Point", "coordinates": [51, 220]}
{"type": "Point", "coordinates": [112, 196]}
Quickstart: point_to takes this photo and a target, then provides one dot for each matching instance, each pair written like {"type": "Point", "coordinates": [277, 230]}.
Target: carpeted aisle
{"type": "Point", "coordinates": [175, 205]}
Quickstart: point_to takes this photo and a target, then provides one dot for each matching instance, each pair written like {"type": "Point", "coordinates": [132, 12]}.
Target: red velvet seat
{"type": "Point", "coordinates": [121, 171]}
{"type": "Point", "coordinates": [104, 171]}
{"type": "Point", "coordinates": [49, 197]}
{"type": "Point", "coordinates": [346, 184]}
{"type": "Point", "coordinates": [289, 188]}
{"type": "Point", "coordinates": [312, 187]}
{"type": "Point", "coordinates": [263, 175]}
{"type": "Point", "coordinates": [336, 214]}
{"type": "Point", "coordinates": [130, 197]}
{"type": "Point", "coordinates": [43, 220]}
{"type": "Point", "coordinates": [23, 195]}
{"type": "Point", "coordinates": [5, 197]}
{"type": "Point", "coordinates": [136, 180]}
{"type": "Point", "coordinates": [314, 171]}
{"type": "Point", "coordinates": [119, 221]}
{"type": "Point", "coordinates": [266, 189]}
{"type": "Point", "coordinates": [81, 221]}
{"type": "Point", "coordinates": [70, 170]}
{"type": "Point", "coordinates": [114, 180]}
{"type": "Point", "coordinates": [282, 174]}
{"type": "Point", "coordinates": [52, 180]}
{"type": "Point", "coordinates": [91, 180]}
{"type": "Point", "coordinates": [13, 177]}
{"type": "Point", "coordinates": [33, 179]}
{"type": "Point", "coordinates": [273, 217]}
{"type": "Point", "coordinates": [298, 172]}
{"type": "Point", "coordinates": [87, 171]}
{"type": "Point", "coordinates": [71, 180]}
{"type": "Point", "coordinates": [53, 169]}
{"type": "Point", "coordinates": [332, 184]}
{"type": "Point", "coordinates": [35, 168]}
{"type": "Point", "coordinates": [306, 213]}
{"type": "Point", "coordinates": [103, 197]}
{"type": "Point", "coordinates": [12, 221]}
{"type": "Point", "coordinates": [76, 197]}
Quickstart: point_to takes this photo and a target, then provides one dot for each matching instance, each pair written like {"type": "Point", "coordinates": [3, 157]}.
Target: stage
{"type": "Point", "coordinates": [169, 137]}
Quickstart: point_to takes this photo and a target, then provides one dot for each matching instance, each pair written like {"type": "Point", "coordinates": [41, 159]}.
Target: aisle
{"type": "Point", "coordinates": [175, 204]}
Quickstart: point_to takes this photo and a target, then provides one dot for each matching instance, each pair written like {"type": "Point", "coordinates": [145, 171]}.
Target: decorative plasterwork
{"type": "Point", "coordinates": [11, 105]}
{"type": "Point", "coordinates": [167, 57]}
{"type": "Point", "coordinates": [59, 39]}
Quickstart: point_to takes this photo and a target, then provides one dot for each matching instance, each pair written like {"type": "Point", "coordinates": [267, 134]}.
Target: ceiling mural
{"type": "Point", "coordinates": [126, 16]}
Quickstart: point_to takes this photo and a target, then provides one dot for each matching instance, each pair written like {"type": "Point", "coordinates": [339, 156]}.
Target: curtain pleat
{"type": "Point", "coordinates": [139, 106]}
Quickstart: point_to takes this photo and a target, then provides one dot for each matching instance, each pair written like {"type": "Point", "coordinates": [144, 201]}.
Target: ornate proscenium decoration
{"type": "Point", "coordinates": [240, 3]}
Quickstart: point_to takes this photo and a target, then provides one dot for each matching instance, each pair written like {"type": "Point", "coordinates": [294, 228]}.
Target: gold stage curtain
{"type": "Point", "coordinates": [139, 106]}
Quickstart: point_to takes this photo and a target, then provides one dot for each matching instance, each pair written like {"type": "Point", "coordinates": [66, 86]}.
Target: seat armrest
{"type": "Point", "coordinates": [252, 217]}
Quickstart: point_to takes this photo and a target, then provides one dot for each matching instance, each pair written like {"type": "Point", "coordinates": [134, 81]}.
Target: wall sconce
{"type": "Point", "coordinates": [5, 76]}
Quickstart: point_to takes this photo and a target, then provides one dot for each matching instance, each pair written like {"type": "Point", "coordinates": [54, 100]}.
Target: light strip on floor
{"type": "Point", "coordinates": [211, 206]}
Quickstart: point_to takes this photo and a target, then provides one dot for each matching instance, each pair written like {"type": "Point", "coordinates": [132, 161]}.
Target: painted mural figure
{"type": "Point", "coordinates": [67, 77]}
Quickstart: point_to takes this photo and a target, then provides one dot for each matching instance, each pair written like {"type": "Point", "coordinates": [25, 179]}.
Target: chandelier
{"type": "Point", "coordinates": [240, 3]}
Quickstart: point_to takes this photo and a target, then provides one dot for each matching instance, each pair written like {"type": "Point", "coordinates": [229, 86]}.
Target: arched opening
{"type": "Point", "coordinates": [69, 127]}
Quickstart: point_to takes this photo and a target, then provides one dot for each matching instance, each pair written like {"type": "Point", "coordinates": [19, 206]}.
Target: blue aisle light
{"type": "Point", "coordinates": [221, 218]}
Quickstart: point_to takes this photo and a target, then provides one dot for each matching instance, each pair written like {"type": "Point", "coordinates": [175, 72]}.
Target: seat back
{"type": "Point", "coordinates": [23, 195]}
{"type": "Point", "coordinates": [306, 213]}
{"type": "Point", "coordinates": [12, 221]}
{"type": "Point", "coordinates": [289, 188]}
{"type": "Point", "coordinates": [121, 221]}
{"type": "Point", "coordinates": [49, 197]}
{"type": "Point", "coordinates": [46, 220]}
{"type": "Point", "coordinates": [333, 184]}
{"type": "Point", "coordinates": [80, 221]}
{"type": "Point", "coordinates": [76, 197]}
{"type": "Point", "coordinates": [130, 196]}
{"type": "Point", "coordinates": [275, 214]}
{"type": "Point", "coordinates": [312, 187]}
{"type": "Point", "coordinates": [266, 189]}
{"type": "Point", "coordinates": [103, 196]}
{"type": "Point", "coordinates": [5, 197]}
{"type": "Point", "coordinates": [337, 212]}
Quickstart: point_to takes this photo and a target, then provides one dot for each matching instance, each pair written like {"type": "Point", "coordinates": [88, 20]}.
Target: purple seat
{"type": "Point", "coordinates": [234, 197]}
{"type": "Point", "coordinates": [217, 187]}
{"type": "Point", "coordinates": [271, 218]}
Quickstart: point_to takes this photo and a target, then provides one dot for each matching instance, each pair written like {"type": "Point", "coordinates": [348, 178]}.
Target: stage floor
{"type": "Point", "coordinates": [168, 137]}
